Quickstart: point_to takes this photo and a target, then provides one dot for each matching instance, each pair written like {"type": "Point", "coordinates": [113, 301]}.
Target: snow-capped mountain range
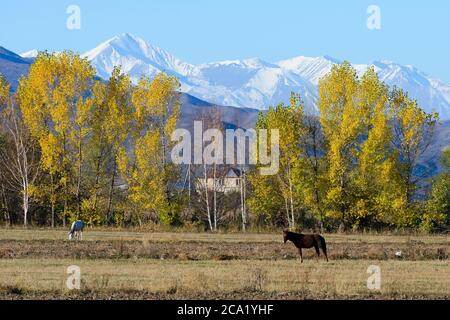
{"type": "Point", "coordinates": [254, 83]}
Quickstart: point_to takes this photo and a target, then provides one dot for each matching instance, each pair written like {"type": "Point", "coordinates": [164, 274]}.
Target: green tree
{"type": "Point", "coordinates": [266, 201]}
{"type": "Point", "coordinates": [288, 120]}
{"type": "Point", "coordinates": [413, 130]}
{"type": "Point", "coordinates": [437, 212]}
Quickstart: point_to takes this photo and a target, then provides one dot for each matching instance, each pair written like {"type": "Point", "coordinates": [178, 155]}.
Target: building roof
{"type": "Point", "coordinates": [233, 173]}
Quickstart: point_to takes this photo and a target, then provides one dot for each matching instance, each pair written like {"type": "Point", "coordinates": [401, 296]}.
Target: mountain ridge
{"type": "Point", "coordinates": [254, 82]}
{"type": "Point", "coordinates": [12, 66]}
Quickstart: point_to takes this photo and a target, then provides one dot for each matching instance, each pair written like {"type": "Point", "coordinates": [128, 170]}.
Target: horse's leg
{"type": "Point", "coordinates": [301, 256]}
{"type": "Point", "coordinates": [325, 253]}
{"type": "Point", "coordinates": [316, 246]}
{"type": "Point", "coordinates": [324, 248]}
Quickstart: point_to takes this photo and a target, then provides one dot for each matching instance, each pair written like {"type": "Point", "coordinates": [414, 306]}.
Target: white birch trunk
{"type": "Point", "coordinates": [206, 199]}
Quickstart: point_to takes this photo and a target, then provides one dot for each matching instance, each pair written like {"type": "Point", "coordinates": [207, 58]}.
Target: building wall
{"type": "Point", "coordinates": [222, 184]}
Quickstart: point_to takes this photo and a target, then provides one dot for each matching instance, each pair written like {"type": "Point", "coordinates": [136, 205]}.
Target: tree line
{"type": "Point", "coordinates": [357, 164]}
{"type": "Point", "coordinates": [73, 146]}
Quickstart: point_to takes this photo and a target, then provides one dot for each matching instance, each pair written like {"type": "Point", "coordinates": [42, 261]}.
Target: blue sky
{"type": "Point", "coordinates": [197, 31]}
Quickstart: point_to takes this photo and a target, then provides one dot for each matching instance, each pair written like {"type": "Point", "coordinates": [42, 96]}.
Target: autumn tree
{"type": "Point", "coordinates": [110, 124]}
{"type": "Point", "coordinates": [311, 174]}
{"type": "Point", "coordinates": [288, 120]}
{"type": "Point", "coordinates": [144, 166]}
{"type": "Point", "coordinates": [55, 106]}
{"type": "Point", "coordinates": [376, 187]}
{"type": "Point", "coordinates": [375, 137]}
{"type": "Point", "coordinates": [437, 211]}
{"type": "Point", "coordinates": [413, 130]}
{"type": "Point", "coordinates": [343, 124]}
{"type": "Point", "coordinates": [19, 156]}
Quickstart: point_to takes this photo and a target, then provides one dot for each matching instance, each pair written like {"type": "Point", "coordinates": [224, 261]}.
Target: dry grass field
{"type": "Point", "coordinates": [175, 265]}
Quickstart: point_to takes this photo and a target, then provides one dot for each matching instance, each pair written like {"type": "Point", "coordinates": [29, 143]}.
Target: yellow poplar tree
{"type": "Point", "coordinates": [110, 124]}
{"type": "Point", "coordinates": [266, 201]}
{"type": "Point", "coordinates": [288, 120]}
{"type": "Point", "coordinates": [343, 123]}
{"type": "Point", "coordinates": [54, 105]}
{"type": "Point", "coordinates": [412, 132]}
{"type": "Point", "coordinates": [146, 169]}
{"type": "Point", "coordinates": [375, 181]}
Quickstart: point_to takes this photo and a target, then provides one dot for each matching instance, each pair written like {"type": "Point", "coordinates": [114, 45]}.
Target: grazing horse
{"type": "Point", "coordinates": [76, 230]}
{"type": "Point", "coordinates": [306, 241]}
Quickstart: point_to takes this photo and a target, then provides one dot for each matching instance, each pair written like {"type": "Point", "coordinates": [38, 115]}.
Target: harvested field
{"type": "Point", "coordinates": [138, 265]}
{"type": "Point", "coordinates": [201, 250]}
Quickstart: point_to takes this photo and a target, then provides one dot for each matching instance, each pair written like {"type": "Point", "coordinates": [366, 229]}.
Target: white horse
{"type": "Point", "coordinates": [76, 230]}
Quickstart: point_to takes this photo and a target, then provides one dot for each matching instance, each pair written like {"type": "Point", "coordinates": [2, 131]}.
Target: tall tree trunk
{"type": "Point", "coordinates": [23, 164]}
{"type": "Point", "coordinates": [6, 207]}
{"type": "Point", "coordinates": [52, 199]}
{"type": "Point", "coordinates": [111, 192]}
{"type": "Point", "coordinates": [409, 184]}
{"type": "Point", "coordinates": [66, 191]}
{"type": "Point", "coordinates": [291, 200]}
{"type": "Point", "coordinates": [243, 213]}
{"type": "Point", "coordinates": [288, 216]}
{"type": "Point", "coordinates": [97, 176]}
{"type": "Point", "coordinates": [244, 187]}
{"type": "Point", "coordinates": [189, 184]}
{"type": "Point", "coordinates": [207, 200]}
{"type": "Point", "coordinates": [65, 209]}
{"type": "Point", "coordinates": [343, 208]}
{"type": "Point", "coordinates": [80, 160]}
{"type": "Point", "coordinates": [25, 207]}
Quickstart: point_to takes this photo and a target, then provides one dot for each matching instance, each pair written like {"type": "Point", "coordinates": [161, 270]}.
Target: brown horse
{"type": "Point", "coordinates": [306, 241]}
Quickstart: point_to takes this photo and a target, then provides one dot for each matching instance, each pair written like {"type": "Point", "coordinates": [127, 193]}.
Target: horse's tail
{"type": "Point", "coordinates": [323, 245]}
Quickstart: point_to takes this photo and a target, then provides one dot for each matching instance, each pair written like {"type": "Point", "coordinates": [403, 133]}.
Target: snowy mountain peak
{"type": "Point", "coordinates": [311, 68]}
{"type": "Point", "coordinates": [135, 56]}
{"type": "Point", "coordinates": [123, 41]}
{"type": "Point", "coordinates": [29, 54]}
